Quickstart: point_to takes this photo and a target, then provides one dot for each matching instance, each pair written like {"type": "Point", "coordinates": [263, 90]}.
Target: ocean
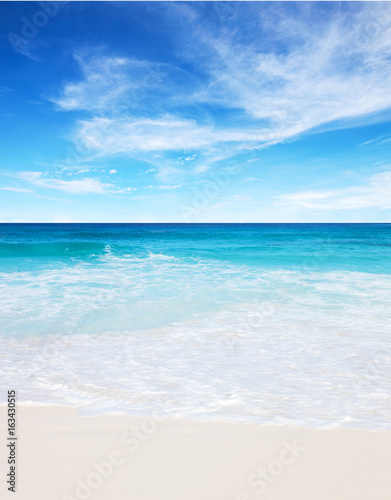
{"type": "Point", "coordinates": [268, 323]}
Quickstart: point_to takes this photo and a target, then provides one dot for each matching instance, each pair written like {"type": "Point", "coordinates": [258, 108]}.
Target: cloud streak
{"type": "Point", "coordinates": [79, 186]}
{"type": "Point", "coordinates": [375, 193]}
{"type": "Point", "coordinates": [17, 190]}
{"type": "Point", "coordinates": [109, 84]}
{"type": "Point", "coordinates": [167, 133]}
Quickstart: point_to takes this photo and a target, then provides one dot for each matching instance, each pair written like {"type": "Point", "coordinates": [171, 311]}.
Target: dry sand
{"type": "Point", "coordinates": [65, 456]}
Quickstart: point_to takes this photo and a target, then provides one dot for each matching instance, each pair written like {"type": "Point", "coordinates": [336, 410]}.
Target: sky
{"type": "Point", "coordinates": [195, 112]}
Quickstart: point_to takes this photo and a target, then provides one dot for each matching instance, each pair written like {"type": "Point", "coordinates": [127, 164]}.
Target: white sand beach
{"type": "Point", "coordinates": [63, 455]}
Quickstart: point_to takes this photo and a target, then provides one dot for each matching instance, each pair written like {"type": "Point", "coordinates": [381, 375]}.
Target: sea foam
{"type": "Point", "coordinates": [191, 327]}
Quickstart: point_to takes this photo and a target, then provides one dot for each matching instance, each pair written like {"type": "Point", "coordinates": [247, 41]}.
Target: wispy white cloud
{"type": "Point", "coordinates": [378, 141]}
{"type": "Point", "coordinates": [325, 74]}
{"type": "Point", "coordinates": [167, 133]}
{"type": "Point", "coordinates": [108, 84]}
{"type": "Point", "coordinates": [191, 158]}
{"type": "Point", "coordinates": [163, 187]}
{"type": "Point", "coordinates": [79, 186]}
{"type": "Point", "coordinates": [17, 189]}
{"type": "Point", "coordinates": [129, 189]}
{"type": "Point", "coordinates": [374, 193]}
{"type": "Point", "coordinates": [199, 169]}
{"type": "Point", "coordinates": [287, 77]}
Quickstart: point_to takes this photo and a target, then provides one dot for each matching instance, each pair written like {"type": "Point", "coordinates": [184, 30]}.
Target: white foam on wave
{"type": "Point", "coordinates": [200, 339]}
{"type": "Point", "coordinates": [293, 366]}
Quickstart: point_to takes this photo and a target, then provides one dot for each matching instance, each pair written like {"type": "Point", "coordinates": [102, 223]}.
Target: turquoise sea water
{"type": "Point", "coordinates": [350, 247]}
{"type": "Point", "coordinates": [282, 323]}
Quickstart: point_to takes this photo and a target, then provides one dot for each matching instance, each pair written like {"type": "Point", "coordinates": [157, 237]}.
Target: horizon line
{"type": "Point", "coordinates": [190, 223]}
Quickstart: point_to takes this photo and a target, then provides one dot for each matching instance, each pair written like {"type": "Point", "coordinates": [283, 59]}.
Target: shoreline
{"type": "Point", "coordinates": [159, 416]}
{"type": "Point", "coordinates": [67, 456]}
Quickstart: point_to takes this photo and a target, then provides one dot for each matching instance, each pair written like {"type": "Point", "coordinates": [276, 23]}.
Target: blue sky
{"type": "Point", "coordinates": [195, 112]}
